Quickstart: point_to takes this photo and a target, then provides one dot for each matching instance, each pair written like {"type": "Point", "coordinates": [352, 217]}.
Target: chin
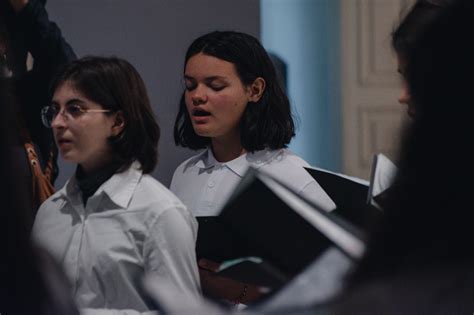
{"type": "Point", "coordinates": [203, 132]}
{"type": "Point", "coordinates": [68, 157]}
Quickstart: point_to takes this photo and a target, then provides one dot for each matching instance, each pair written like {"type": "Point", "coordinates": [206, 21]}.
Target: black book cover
{"type": "Point", "coordinates": [272, 224]}
{"type": "Point", "coordinates": [350, 197]}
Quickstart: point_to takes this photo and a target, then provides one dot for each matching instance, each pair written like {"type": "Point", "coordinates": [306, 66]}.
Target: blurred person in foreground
{"type": "Point", "coordinates": [421, 260]}
{"type": "Point", "coordinates": [25, 28]}
{"type": "Point", "coordinates": [30, 281]}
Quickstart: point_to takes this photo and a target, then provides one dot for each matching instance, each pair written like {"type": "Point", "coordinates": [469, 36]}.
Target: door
{"type": "Point", "coordinates": [371, 116]}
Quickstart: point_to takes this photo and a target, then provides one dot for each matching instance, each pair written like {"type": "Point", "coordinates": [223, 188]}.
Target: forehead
{"type": "Point", "coordinates": [66, 91]}
{"type": "Point", "coordinates": [202, 65]}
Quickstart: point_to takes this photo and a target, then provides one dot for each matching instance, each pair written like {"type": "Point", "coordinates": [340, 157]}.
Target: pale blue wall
{"type": "Point", "coordinates": [305, 34]}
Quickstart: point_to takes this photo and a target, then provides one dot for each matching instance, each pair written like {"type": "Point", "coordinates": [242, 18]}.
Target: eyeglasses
{"type": "Point", "coordinates": [70, 112]}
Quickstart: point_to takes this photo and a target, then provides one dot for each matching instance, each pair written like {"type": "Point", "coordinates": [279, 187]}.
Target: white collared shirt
{"type": "Point", "coordinates": [131, 227]}
{"type": "Point", "coordinates": [204, 184]}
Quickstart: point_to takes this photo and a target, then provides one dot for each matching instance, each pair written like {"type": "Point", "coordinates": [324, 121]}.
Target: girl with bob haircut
{"type": "Point", "coordinates": [235, 109]}
{"type": "Point", "coordinates": [112, 223]}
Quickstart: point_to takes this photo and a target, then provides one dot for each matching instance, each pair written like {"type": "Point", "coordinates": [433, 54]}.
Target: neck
{"type": "Point", "coordinates": [89, 169]}
{"type": "Point", "coordinates": [225, 150]}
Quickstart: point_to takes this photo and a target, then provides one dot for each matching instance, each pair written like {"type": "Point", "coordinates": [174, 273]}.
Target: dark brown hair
{"type": "Point", "coordinates": [267, 123]}
{"type": "Point", "coordinates": [116, 85]}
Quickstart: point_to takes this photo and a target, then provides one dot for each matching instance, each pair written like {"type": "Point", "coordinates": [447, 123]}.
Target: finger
{"type": "Point", "coordinates": [208, 264]}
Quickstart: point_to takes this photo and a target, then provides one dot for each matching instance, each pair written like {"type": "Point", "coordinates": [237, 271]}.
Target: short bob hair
{"type": "Point", "coordinates": [116, 85]}
{"type": "Point", "coordinates": [267, 123]}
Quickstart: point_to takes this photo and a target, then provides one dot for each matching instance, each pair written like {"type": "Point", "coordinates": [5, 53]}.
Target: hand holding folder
{"type": "Point", "coordinates": [268, 221]}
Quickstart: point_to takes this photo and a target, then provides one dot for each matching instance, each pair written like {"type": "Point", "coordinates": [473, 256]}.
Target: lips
{"type": "Point", "coordinates": [200, 112]}
{"type": "Point", "coordinates": [200, 116]}
{"type": "Point", "coordinates": [62, 140]}
{"type": "Point", "coordinates": [64, 143]}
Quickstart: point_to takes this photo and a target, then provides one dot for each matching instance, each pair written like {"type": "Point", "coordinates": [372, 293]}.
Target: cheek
{"type": "Point", "coordinates": [223, 102]}
{"type": "Point", "coordinates": [188, 101]}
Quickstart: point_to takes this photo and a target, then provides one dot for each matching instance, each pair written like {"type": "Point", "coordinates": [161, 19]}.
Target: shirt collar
{"type": "Point", "coordinates": [239, 165]}
{"type": "Point", "coordinates": [119, 188]}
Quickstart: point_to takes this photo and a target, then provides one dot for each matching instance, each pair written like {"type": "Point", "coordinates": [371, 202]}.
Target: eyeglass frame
{"type": "Point", "coordinates": [65, 114]}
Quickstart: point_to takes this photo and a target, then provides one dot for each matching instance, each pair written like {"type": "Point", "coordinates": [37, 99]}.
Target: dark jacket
{"type": "Point", "coordinates": [31, 31]}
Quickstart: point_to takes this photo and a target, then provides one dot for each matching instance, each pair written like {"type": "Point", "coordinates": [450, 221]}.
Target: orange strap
{"type": "Point", "coordinates": [42, 188]}
{"type": "Point", "coordinates": [41, 180]}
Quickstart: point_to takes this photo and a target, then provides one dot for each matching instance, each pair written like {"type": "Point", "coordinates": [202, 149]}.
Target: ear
{"type": "Point", "coordinates": [119, 123]}
{"type": "Point", "coordinates": [256, 89]}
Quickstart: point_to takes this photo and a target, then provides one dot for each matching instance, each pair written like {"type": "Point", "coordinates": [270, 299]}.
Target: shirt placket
{"type": "Point", "coordinates": [74, 251]}
{"type": "Point", "coordinates": [212, 188]}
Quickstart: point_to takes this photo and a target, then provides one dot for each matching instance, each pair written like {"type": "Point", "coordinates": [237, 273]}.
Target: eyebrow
{"type": "Point", "coordinates": [207, 79]}
{"type": "Point", "coordinates": [70, 101]}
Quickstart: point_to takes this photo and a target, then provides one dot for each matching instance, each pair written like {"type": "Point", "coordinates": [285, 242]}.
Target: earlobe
{"type": "Point", "coordinates": [256, 89]}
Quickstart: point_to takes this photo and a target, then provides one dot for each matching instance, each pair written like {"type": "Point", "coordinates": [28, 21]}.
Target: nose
{"type": "Point", "coordinates": [199, 96]}
{"type": "Point", "coordinates": [404, 97]}
{"type": "Point", "coordinates": [58, 121]}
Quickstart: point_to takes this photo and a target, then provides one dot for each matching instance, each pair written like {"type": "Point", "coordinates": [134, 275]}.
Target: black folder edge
{"type": "Point", "coordinates": [379, 198]}
{"type": "Point", "coordinates": [346, 206]}
{"type": "Point", "coordinates": [352, 232]}
{"type": "Point", "coordinates": [373, 171]}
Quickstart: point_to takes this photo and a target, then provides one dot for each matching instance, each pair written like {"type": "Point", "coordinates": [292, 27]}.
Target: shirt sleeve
{"type": "Point", "coordinates": [169, 251]}
{"type": "Point", "coordinates": [314, 192]}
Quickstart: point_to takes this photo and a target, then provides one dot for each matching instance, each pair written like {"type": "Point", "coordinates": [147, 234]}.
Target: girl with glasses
{"type": "Point", "coordinates": [112, 223]}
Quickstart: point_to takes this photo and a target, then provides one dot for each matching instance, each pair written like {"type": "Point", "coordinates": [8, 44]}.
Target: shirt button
{"type": "Point", "coordinates": [211, 184]}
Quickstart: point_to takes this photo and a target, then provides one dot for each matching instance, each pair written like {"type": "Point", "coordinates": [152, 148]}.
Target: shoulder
{"type": "Point", "coordinates": [150, 191]}
{"type": "Point", "coordinates": [289, 158]}
{"type": "Point", "coordinates": [162, 206]}
{"type": "Point", "coordinates": [54, 202]}
{"type": "Point", "coordinates": [284, 163]}
{"type": "Point", "coordinates": [289, 168]}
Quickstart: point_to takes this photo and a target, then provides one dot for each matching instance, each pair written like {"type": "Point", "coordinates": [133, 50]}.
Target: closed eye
{"type": "Point", "coordinates": [217, 88]}
{"type": "Point", "coordinates": [190, 87]}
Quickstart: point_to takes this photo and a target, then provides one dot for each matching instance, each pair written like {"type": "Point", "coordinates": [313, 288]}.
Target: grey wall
{"type": "Point", "coordinates": [153, 35]}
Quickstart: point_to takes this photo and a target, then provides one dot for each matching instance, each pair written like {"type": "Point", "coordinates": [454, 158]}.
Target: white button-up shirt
{"type": "Point", "coordinates": [131, 227]}
{"type": "Point", "coordinates": [204, 184]}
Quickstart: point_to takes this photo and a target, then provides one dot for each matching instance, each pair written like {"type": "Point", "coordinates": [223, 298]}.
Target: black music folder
{"type": "Point", "coordinates": [356, 199]}
{"type": "Point", "coordinates": [273, 231]}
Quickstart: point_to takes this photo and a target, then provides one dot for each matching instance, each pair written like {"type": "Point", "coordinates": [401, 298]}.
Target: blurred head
{"type": "Point", "coordinates": [232, 91]}
{"type": "Point", "coordinates": [4, 66]}
{"type": "Point", "coordinates": [405, 37]}
{"type": "Point", "coordinates": [13, 43]}
{"type": "Point", "coordinates": [430, 201]}
{"type": "Point", "coordinates": [100, 112]}
{"type": "Point", "coordinates": [20, 276]}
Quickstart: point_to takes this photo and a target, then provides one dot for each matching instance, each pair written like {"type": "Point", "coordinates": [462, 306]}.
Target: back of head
{"type": "Point", "coordinates": [116, 85]}
{"type": "Point", "coordinates": [268, 123]}
{"type": "Point", "coordinates": [417, 19]}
